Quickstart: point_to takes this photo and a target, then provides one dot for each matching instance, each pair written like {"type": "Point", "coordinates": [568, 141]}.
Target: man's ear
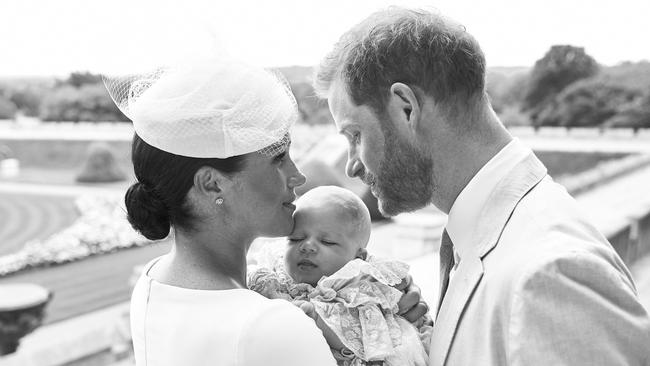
{"type": "Point", "coordinates": [404, 107]}
{"type": "Point", "coordinates": [362, 253]}
{"type": "Point", "coordinates": [210, 182]}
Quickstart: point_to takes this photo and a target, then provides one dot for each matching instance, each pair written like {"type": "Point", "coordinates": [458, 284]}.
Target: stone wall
{"type": "Point", "coordinates": [632, 241]}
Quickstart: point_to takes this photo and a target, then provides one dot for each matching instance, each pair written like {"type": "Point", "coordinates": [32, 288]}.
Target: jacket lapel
{"type": "Point", "coordinates": [462, 285]}
{"type": "Point", "coordinates": [496, 213]}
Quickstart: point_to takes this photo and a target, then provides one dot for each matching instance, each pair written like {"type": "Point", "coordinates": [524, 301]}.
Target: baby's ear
{"type": "Point", "coordinates": [362, 253]}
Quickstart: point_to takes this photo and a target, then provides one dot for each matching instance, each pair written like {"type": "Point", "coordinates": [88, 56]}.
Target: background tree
{"type": "Point", "coordinates": [78, 79]}
{"type": "Point", "coordinates": [560, 66]}
{"type": "Point", "coordinates": [634, 115]}
{"type": "Point", "coordinates": [7, 108]}
{"type": "Point", "coordinates": [588, 102]}
{"type": "Point", "coordinates": [28, 100]}
{"type": "Point", "coordinates": [506, 86]}
{"type": "Point", "coordinates": [90, 102]}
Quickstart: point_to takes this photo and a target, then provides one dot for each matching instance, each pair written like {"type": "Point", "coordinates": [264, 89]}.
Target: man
{"type": "Point", "coordinates": [529, 280]}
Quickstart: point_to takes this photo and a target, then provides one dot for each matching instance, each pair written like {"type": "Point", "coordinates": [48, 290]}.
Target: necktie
{"type": "Point", "coordinates": [446, 264]}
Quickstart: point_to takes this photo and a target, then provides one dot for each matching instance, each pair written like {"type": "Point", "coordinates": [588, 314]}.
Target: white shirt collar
{"type": "Point", "coordinates": [465, 211]}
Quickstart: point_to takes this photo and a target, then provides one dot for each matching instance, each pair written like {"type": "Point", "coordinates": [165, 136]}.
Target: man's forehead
{"type": "Point", "coordinates": [339, 106]}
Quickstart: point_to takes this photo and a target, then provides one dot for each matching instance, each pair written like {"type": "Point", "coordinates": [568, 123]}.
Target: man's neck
{"type": "Point", "coordinates": [468, 152]}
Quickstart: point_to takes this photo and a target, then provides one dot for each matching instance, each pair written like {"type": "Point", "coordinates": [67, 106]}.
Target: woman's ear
{"type": "Point", "coordinates": [362, 253]}
{"type": "Point", "coordinates": [210, 182]}
{"type": "Point", "coordinates": [404, 107]}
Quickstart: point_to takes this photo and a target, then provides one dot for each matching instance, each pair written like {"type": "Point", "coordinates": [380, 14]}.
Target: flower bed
{"type": "Point", "coordinates": [101, 228]}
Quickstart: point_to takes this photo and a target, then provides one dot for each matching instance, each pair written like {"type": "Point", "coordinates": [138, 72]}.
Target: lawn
{"type": "Point", "coordinates": [560, 163]}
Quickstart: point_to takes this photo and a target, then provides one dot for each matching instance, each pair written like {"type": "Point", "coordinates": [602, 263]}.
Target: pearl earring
{"type": "Point", "coordinates": [219, 201]}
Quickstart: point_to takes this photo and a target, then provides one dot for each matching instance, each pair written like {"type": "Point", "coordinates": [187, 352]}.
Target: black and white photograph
{"type": "Point", "coordinates": [334, 183]}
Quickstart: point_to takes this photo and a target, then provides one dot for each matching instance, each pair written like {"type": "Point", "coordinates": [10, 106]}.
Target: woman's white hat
{"type": "Point", "coordinates": [212, 108]}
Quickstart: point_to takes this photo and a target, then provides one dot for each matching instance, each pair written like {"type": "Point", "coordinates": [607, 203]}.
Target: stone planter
{"type": "Point", "coordinates": [9, 168]}
{"type": "Point", "coordinates": [21, 311]}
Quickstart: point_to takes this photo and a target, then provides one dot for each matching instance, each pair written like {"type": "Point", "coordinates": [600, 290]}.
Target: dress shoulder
{"type": "Point", "coordinates": [283, 333]}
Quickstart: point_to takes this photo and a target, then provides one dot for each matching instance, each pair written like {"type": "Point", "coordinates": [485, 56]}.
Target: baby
{"type": "Point", "coordinates": [326, 263]}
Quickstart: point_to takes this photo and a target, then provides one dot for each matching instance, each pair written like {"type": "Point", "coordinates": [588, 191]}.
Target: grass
{"type": "Point", "coordinates": [561, 163]}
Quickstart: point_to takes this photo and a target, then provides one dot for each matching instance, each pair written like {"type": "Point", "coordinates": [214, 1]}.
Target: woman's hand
{"type": "Point", "coordinates": [411, 306]}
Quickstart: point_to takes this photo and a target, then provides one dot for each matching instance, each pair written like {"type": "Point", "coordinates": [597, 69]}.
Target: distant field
{"type": "Point", "coordinates": [57, 162]}
{"type": "Point", "coordinates": [64, 154]}
{"type": "Point", "coordinates": [560, 163]}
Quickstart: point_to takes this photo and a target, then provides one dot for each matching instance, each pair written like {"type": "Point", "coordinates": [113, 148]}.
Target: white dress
{"type": "Point", "coordinates": [173, 326]}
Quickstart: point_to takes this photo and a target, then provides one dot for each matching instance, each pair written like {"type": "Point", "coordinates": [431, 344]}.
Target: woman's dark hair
{"type": "Point", "coordinates": [157, 200]}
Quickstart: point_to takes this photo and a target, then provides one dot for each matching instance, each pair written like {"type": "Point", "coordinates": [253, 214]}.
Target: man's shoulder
{"type": "Point", "coordinates": [549, 220]}
{"type": "Point", "coordinates": [547, 231]}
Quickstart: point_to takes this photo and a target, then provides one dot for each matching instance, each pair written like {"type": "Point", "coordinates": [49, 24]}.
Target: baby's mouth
{"type": "Point", "coordinates": [306, 264]}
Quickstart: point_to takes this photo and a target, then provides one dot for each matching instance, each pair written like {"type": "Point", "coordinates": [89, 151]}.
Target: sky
{"type": "Point", "coordinates": [54, 38]}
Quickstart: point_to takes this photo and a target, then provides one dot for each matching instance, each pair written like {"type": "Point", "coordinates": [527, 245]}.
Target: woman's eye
{"type": "Point", "coordinates": [294, 240]}
{"type": "Point", "coordinates": [280, 157]}
{"type": "Point", "coordinates": [328, 242]}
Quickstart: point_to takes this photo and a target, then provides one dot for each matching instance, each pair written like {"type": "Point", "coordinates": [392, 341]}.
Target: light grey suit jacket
{"type": "Point", "coordinates": [543, 286]}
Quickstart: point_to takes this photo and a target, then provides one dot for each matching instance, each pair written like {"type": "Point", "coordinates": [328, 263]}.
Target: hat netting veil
{"type": "Point", "coordinates": [208, 109]}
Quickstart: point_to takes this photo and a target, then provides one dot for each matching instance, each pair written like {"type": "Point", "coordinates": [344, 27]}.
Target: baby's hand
{"type": "Point", "coordinates": [306, 307]}
{"type": "Point", "coordinates": [331, 337]}
{"type": "Point", "coordinates": [411, 306]}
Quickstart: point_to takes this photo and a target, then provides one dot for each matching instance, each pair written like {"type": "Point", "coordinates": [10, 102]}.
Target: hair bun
{"type": "Point", "coordinates": [147, 212]}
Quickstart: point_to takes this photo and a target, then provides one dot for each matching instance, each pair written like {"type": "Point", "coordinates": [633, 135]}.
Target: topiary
{"type": "Point", "coordinates": [100, 165]}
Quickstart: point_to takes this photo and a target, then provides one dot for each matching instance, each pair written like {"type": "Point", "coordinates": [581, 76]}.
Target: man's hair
{"type": "Point", "coordinates": [414, 47]}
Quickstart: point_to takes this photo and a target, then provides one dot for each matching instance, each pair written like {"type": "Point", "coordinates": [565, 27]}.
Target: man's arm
{"type": "Point", "coordinates": [578, 309]}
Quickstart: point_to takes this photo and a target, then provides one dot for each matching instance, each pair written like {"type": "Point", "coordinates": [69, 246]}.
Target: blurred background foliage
{"type": "Point", "coordinates": [566, 87]}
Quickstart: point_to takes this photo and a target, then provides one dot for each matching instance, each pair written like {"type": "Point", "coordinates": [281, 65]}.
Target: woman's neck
{"type": "Point", "coordinates": [204, 262]}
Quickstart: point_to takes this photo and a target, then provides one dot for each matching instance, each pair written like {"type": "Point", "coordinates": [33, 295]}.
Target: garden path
{"type": "Point", "coordinates": [25, 217]}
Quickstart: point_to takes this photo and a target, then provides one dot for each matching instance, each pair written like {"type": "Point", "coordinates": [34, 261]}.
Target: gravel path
{"type": "Point", "coordinates": [91, 284]}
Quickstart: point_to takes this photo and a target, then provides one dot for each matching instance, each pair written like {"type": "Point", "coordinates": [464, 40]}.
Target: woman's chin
{"type": "Point", "coordinates": [280, 228]}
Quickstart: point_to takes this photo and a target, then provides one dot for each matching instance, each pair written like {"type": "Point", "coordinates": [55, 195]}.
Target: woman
{"type": "Point", "coordinates": [211, 158]}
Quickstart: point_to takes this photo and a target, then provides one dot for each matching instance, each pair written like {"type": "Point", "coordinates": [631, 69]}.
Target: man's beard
{"type": "Point", "coordinates": [404, 180]}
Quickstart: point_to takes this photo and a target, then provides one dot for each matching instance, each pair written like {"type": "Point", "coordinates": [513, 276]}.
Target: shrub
{"type": "Point", "coordinates": [100, 166]}
{"type": "Point", "coordinates": [5, 152]}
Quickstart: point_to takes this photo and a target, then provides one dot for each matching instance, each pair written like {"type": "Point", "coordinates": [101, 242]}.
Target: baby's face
{"type": "Point", "coordinates": [323, 240]}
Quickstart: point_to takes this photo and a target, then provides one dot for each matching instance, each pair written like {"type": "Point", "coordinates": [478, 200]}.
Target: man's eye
{"type": "Point", "coordinates": [326, 242]}
{"type": "Point", "coordinates": [356, 137]}
{"type": "Point", "coordinates": [294, 240]}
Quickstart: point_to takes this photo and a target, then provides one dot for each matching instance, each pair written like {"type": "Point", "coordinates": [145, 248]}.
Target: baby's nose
{"type": "Point", "coordinates": [307, 246]}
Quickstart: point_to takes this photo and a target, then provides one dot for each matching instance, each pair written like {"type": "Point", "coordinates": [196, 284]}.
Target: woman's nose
{"type": "Point", "coordinates": [297, 178]}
